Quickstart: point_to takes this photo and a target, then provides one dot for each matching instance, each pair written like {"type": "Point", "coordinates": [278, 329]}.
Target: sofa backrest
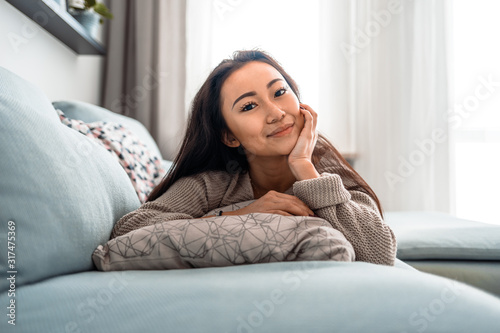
{"type": "Point", "coordinates": [60, 193]}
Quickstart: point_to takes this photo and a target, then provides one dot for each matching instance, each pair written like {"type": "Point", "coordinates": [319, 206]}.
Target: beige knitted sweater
{"type": "Point", "coordinates": [353, 213]}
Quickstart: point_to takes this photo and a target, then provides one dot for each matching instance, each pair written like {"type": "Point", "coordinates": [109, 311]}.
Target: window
{"type": "Point", "coordinates": [288, 30]}
{"type": "Point", "coordinates": [475, 117]}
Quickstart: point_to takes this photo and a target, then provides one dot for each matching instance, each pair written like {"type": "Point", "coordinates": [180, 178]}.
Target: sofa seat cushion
{"type": "Point", "coordinates": [308, 296]}
{"type": "Point", "coordinates": [434, 235]}
{"type": "Point", "coordinates": [480, 274]}
{"type": "Point", "coordinates": [62, 191]}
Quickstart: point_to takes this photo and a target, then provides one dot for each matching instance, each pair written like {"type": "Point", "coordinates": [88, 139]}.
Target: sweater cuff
{"type": "Point", "coordinates": [317, 193]}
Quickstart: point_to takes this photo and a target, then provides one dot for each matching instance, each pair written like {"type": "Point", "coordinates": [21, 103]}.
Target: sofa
{"type": "Point", "coordinates": [60, 196]}
{"type": "Point", "coordinates": [457, 248]}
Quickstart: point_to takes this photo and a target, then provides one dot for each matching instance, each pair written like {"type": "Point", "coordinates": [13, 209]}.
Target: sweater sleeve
{"type": "Point", "coordinates": [353, 213]}
{"type": "Point", "coordinates": [187, 198]}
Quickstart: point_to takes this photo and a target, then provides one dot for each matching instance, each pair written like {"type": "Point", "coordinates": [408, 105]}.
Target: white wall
{"type": "Point", "coordinates": [34, 54]}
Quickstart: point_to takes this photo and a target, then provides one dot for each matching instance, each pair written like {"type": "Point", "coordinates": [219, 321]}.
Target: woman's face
{"type": "Point", "coordinates": [261, 111]}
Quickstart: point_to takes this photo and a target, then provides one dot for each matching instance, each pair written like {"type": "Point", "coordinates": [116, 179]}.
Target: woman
{"type": "Point", "coordinates": [249, 137]}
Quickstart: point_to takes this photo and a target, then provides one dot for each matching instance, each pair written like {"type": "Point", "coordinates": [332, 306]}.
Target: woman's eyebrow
{"type": "Point", "coordinates": [250, 93]}
{"type": "Point", "coordinates": [253, 93]}
{"type": "Point", "coordinates": [272, 82]}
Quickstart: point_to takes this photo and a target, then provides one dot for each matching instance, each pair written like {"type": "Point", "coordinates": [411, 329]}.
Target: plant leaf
{"type": "Point", "coordinates": [89, 3]}
{"type": "Point", "coordinates": [102, 10]}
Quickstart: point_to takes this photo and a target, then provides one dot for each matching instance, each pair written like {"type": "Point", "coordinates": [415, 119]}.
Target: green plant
{"type": "Point", "coordinates": [98, 7]}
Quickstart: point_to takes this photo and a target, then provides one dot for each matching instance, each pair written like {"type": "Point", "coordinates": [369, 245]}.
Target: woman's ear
{"type": "Point", "coordinates": [229, 140]}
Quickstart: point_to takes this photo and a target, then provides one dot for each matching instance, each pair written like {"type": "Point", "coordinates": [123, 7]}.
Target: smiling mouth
{"type": "Point", "coordinates": [281, 131]}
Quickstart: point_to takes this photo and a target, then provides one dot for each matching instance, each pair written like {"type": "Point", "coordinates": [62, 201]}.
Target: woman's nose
{"type": "Point", "coordinates": [274, 114]}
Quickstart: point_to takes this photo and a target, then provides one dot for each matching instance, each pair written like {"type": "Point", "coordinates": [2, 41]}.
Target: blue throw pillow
{"type": "Point", "coordinates": [60, 193]}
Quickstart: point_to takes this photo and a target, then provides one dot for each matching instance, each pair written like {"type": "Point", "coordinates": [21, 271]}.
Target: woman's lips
{"type": "Point", "coordinates": [282, 130]}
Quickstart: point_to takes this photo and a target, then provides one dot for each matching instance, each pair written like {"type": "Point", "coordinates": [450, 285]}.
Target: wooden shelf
{"type": "Point", "coordinates": [60, 24]}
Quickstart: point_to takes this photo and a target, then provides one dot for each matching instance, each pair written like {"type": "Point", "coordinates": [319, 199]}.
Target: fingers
{"type": "Point", "coordinates": [278, 203]}
{"type": "Point", "coordinates": [309, 122]}
{"type": "Point", "coordinates": [311, 119]}
{"type": "Point", "coordinates": [289, 203]}
{"type": "Point", "coordinates": [308, 108]}
{"type": "Point", "coordinates": [309, 131]}
{"type": "Point", "coordinates": [280, 212]}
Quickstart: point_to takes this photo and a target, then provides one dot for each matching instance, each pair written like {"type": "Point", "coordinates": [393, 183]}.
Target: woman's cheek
{"type": "Point", "coordinates": [295, 105]}
{"type": "Point", "coordinates": [251, 134]}
{"type": "Point", "coordinates": [300, 120]}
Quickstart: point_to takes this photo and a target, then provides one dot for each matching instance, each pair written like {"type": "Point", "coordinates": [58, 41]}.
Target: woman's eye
{"type": "Point", "coordinates": [280, 92]}
{"type": "Point", "coordinates": [248, 107]}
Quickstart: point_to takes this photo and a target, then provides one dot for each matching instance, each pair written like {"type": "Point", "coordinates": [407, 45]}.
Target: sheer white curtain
{"type": "Point", "coordinates": [199, 39]}
{"type": "Point", "coordinates": [145, 67]}
{"type": "Point", "coordinates": [334, 102]}
{"type": "Point", "coordinates": [398, 58]}
{"type": "Point", "coordinates": [375, 70]}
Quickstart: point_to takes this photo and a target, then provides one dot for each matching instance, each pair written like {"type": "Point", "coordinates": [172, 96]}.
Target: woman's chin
{"type": "Point", "coordinates": [287, 148]}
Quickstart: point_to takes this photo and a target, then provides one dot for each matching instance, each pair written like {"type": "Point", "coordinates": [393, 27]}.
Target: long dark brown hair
{"type": "Point", "coordinates": [203, 149]}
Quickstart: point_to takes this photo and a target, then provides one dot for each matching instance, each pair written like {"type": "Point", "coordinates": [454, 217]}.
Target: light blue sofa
{"type": "Point", "coordinates": [59, 199]}
{"type": "Point", "coordinates": [438, 243]}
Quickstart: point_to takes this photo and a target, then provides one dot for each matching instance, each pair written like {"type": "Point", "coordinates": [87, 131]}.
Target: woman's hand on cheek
{"type": "Point", "coordinates": [300, 158]}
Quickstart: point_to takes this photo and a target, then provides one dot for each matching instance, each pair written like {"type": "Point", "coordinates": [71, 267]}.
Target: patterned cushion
{"type": "Point", "coordinates": [90, 113]}
{"type": "Point", "coordinates": [142, 165]}
{"type": "Point", "coordinates": [223, 241]}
